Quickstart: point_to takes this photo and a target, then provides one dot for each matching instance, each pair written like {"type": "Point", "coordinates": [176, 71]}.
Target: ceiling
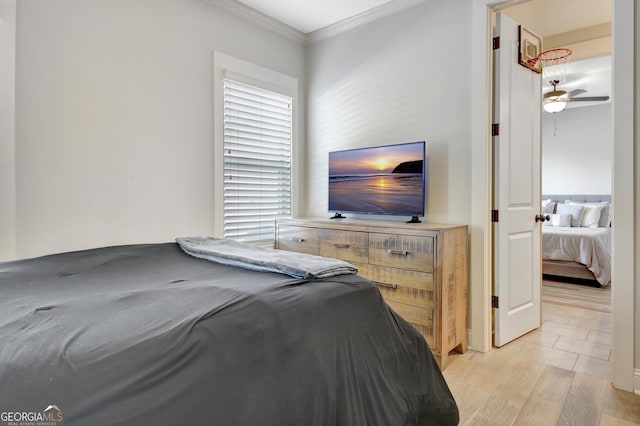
{"type": "Point", "coordinates": [550, 17]}
{"type": "Point", "coordinates": [310, 15]}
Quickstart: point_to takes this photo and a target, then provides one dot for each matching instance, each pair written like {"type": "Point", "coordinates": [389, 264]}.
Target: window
{"type": "Point", "coordinates": [257, 161]}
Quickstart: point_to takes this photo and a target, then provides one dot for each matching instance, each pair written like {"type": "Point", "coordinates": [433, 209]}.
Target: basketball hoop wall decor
{"type": "Point", "coordinates": [553, 63]}
{"type": "Point", "coordinates": [529, 47]}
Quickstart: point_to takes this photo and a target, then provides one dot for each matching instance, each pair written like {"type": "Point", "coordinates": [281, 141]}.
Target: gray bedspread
{"type": "Point", "coordinates": [147, 335]}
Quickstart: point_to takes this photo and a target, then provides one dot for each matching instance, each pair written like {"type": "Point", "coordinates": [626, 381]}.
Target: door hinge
{"type": "Point", "coordinates": [495, 216]}
{"type": "Point", "coordinates": [494, 302]}
{"type": "Point", "coordinates": [495, 129]}
{"type": "Point", "coordinates": [496, 43]}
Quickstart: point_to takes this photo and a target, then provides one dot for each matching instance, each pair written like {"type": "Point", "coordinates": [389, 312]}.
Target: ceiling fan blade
{"type": "Point", "coordinates": [576, 92]}
{"type": "Point", "coordinates": [589, 99]}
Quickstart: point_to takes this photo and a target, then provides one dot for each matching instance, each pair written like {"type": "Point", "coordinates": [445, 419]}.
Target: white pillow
{"type": "Point", "coordinates": [605, 215]}
{"type": "Point", "coordinates": [548, 206]}
{"type": "Point", "coordinates": [591, 216]}
{"type": "Point", "coordinates": [559, 220]}
{"type": "Point", "coordinates": [575, 210]}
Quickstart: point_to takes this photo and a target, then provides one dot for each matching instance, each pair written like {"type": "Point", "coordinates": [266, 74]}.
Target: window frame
{"type": "Point", "coordinates": [228, 67]}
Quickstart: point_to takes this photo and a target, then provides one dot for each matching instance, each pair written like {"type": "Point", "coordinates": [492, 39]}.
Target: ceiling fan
{"type": "Point", "coordinates": [556, 100]}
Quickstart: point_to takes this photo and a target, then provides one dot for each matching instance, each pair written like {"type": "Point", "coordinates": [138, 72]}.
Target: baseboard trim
{"type": "Point", "coordinates": [636, 381]}
{"type": "Point", "coordinates": [469, 334]}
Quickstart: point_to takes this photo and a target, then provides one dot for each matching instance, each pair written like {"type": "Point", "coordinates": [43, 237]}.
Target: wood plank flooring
{"type": "Point", "coordinates": [559, 374]}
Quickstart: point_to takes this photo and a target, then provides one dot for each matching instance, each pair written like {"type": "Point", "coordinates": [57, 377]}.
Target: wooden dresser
{"type": "Point", "coordinates": [420, 269]}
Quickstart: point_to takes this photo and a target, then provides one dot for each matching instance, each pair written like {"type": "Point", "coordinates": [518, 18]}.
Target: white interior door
{"type": "Point", "coordinates": [516, 189]}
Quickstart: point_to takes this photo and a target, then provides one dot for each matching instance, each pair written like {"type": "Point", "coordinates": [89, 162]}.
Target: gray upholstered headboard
{"type": "Point", "coordinates": [579, 198]}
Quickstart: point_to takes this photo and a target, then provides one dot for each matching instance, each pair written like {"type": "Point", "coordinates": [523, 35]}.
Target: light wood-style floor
{"type": "Point", "coordinates": [559, 374]}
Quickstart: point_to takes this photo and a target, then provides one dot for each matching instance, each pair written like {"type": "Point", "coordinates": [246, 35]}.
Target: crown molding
{"type": "Point", "coordinates": [370, 15]}
{"type": "Point", "coordinates": [259, 18]}
{"type": "Point", "coordinates": [269, 23]}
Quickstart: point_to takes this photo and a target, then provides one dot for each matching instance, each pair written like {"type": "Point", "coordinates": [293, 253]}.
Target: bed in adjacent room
{"type": "Point", "coordinates": [147, 334]}
{"type": "Point", "coordinates": [576, 241]}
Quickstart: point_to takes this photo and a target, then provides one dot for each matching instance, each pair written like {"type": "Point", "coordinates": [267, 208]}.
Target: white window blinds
{"type": "Point", "coordinates": [257, 161]}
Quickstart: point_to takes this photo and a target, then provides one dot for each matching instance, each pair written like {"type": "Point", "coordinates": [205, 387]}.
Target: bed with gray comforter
{"type": "Point", "coordinates": [149, 335]}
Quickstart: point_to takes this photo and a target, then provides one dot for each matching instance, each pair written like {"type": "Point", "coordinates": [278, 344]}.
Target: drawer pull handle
{"type": "Point", "coordinates": [344, 246]}
{"type": "Point", "coordinates": [300, 240]}
{"type": "Point", "coordinates": [398, 252]}
{"type": "Point", "coordinates": [393, 286]}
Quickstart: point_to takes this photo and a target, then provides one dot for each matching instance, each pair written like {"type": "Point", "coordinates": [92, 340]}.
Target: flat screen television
{"type": "Point", "coordinates": [379, 180]}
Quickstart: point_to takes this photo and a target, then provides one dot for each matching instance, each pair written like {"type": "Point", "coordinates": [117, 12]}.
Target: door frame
{"type": "Point", "coordinates": [623, 105]}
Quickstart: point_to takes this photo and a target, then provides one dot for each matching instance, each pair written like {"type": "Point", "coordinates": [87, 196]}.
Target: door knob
{"type": "Point", "coordinates": [542, 218]}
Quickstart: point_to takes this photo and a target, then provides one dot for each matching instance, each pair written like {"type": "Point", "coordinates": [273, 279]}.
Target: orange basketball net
{"type": "Point", "coordinates": [553, 63]}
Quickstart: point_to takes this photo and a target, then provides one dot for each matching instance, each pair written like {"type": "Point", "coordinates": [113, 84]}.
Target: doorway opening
{"type": "Point", "coordinates": [623, 166]}
{"type": "Point", "coordinates": [576, 168]}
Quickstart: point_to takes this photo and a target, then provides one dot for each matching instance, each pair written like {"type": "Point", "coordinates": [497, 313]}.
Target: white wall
{"type": "Point", "coordinates": [577, 158]}
{"type": "Point", "coordinates": [114, 117]}
{"type": "Point", "coordinates": [386, 82]}
{"type": "Point", "coordinates": [7, 128]}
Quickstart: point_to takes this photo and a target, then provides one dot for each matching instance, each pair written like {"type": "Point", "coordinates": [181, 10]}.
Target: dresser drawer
{"type": "Point", "coordinates": [401, 285]}
{"type": "Point", "coordinates": [402, 251]}
{"type": "Point", "coordinates": [298, 239]}
{"type": "Point", "coordinates": [420, 318]}
{"type": "Point", "coordinates": [352, 246]}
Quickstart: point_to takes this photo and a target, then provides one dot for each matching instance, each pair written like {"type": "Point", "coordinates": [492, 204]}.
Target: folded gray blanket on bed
{"type": "Point", "coordinates": [247, 256]}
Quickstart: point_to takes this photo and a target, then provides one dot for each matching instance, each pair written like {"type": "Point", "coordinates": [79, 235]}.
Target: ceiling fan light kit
{"type": "Point", "coordinates": [554, 105]}
{"type": "Point", "coordinates": [556, 100]}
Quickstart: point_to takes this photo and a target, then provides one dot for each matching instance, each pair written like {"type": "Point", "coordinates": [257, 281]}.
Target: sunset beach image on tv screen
{"type": "Point", "coordinates": [379, 180]}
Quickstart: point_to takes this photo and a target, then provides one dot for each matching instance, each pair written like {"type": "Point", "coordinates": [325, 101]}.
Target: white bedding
{"type": "Point", "coordinates": [589, 246]}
